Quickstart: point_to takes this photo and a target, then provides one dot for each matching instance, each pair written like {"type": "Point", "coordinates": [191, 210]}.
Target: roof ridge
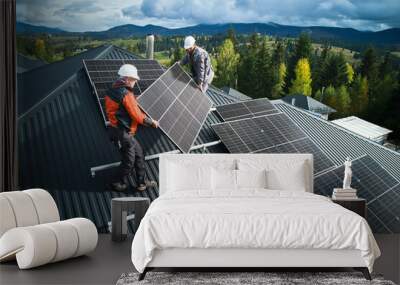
{"type": "Point", "coordinates": [336, 126]}
{"type": "Point", "coordinates": [49, 95]}
{"type": "Point", "coordinates": [62, 84]}
{"type": "Point", "coordinates": [64, 60]}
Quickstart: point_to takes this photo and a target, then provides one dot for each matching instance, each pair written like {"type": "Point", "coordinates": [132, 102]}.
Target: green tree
{"type": "Point", "coordinates": [343, 100]}
{"type": "Point", "coordinates": [369, 64]}
{"type": "Point", "coordinates": [318, 95]}
{"type": "Point", "coordinates": [277, 90]}
{"type": "Point", "coordinates": [177, 55]}
{"type": "Point", "coordinates": [329, 96]}
{"type": "Point", "coordinates": [227, 61]}
{"type": "Point", "coordinates": [359, 95]}
{"type": "Point", "coordinates": [350, 73]}
{"type": "Point", "coordinates": [303, 47]}
{"type": "Point", "coordinates": [247, 71]}
{"type": "Point", "coordinates": [264, 77]}
{"type": "Point", "coordinates": [302, 82]}
{"type": "Point", "coordinates": [334, 70]}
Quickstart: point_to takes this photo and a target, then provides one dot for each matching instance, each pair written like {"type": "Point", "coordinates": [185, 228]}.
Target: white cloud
{"type": "Point", "coordinates": [81, 15]}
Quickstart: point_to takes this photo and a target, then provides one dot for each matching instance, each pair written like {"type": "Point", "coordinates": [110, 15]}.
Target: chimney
{"type": "Point", "coordinates": [293, 101]}
{"type": "Point", "coordinates": [150, 46]}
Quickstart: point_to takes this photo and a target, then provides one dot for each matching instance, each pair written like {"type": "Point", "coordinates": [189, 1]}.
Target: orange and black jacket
{"type": "Point", "coordinates": [122, 108]}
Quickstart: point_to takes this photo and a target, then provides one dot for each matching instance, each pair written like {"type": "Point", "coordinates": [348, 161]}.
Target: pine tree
{"type": "Point", "coordinates": [247, 71]}
{"type": "Point", "coordinates": [264, 79]}
{"type": "Point", "coordinates": [277, 90]}
{"type": "Point", "coordinates": [369, 64]}
{"type": "Point", "coordinates": [350, 73]}
{"type": "Point", "coordinates": [303, 46]}
{"type": "Point", "coordinates": [343, 100]}
{"type": "Point", "coordinates": [177, 55]}
{"type": "Point", "coordinates": [302, 82]}
{"type": "Point", "coordinates": [334, 70]}
{"type": "Point", "coordinates": [359, 95]}
{"type": "Point", "coordinates": [329, 96]}
{"type": "Point", "coordinates": [227, 61]}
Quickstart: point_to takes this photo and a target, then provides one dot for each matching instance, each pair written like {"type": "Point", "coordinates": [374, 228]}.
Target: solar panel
{"type": "Point", "coordinates": [177, 103]}
{"type": "Point", "coordinates": [373, 183]}
{"type": "Point", "coordinates": [102, 73]}
{"type": "Point", "coordinates": [274, 133]}
{"type": "Point", "coordinates": [247, 109]}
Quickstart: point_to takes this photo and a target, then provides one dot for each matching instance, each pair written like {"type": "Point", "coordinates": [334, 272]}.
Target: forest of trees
{"type": "Point", "coordinates": [367, 86]}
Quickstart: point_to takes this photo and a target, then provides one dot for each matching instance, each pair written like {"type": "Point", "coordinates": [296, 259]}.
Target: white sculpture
{"type": "Point", "coordinates": [347, 174]}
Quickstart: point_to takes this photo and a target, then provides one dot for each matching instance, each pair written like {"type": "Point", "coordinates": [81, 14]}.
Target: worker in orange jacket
{"type": "Point", "coordinates": [124, 116]}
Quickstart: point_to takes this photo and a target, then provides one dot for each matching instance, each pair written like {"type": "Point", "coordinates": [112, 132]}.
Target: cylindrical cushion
{"type": "Point", "coordinates": [7, 218]}
{"type": "Point", "coordinates": [23, 208]}
{"type": "Point", "coordinates": [67, 240]}
{"type": "Point", "coordinates": [33, 246]}
{"type": "Point", "coordinates": [45, 205]}
{"type": "Point", "coordinates": [87, 235]}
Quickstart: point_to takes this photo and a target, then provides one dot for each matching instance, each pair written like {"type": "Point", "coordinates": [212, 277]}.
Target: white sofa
{"type": "Point", "coordinates": [31, 231]}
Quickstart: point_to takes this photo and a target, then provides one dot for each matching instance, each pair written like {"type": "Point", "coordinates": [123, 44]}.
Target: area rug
{"type": "Point", "coordinates": [244, 278]}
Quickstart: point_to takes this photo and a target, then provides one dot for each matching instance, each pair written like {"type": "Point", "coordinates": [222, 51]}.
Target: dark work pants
{"type": "Point", "coordinates": [132, 157]}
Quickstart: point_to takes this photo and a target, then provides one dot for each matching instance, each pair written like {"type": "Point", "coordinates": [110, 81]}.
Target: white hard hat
{"type": "Point", "coordinates": [189, 42]}
{"type": "Point", "coordinates": [128, 70]}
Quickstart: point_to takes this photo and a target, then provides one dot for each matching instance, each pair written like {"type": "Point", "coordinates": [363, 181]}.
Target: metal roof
{"type": "Point", "coordinates": [338, 143]}
{"type": "Point", "coordinates": [308, 103]}
{"type": "Point", "coordinates": [362, 127]}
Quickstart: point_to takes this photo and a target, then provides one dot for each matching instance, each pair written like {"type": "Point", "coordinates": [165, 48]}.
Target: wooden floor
{"type": "Point", "coordinates": [110, 260]}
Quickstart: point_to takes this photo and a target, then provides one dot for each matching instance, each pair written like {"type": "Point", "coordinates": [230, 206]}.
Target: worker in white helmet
{"type": "Point", "coordinates": [125, 116]}
{"type": "Point", "coordinates": [200, 63]}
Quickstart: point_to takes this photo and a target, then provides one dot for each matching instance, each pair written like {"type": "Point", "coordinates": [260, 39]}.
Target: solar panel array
{"type": "Point", "coordinates": [102, 73]}
{"type": "Point", "coordinates": [247, 109]}
{"type": "Point", "coordinates": [274, 133]}
{"type": "Point", "coordinates": [373, 183]}
{"type": "Point", "coordinates": [177, 103]}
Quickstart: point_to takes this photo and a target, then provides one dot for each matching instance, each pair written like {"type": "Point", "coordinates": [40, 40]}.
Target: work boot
{"type": "Point", "coordinates": [119, 186]}
{"type": "Point", "coordinates": [147, 183]}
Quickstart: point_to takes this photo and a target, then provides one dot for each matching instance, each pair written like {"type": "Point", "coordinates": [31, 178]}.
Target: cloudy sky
{"type": "Point", "coordinates": [96, 15]}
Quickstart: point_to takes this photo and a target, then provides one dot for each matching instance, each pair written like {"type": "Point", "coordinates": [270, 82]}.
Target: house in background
{"type": "Point", "coordinates": [364, 128]}
{"type": "Point", "coordinates": [309, 104]}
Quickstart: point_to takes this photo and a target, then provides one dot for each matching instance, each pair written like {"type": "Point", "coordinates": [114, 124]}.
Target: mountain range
{"type": "Point", "coordinates": [386, 37]}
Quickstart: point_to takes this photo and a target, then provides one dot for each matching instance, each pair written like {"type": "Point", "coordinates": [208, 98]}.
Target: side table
{"type": "Point", "coordinates": [119, 212]}
{"type": "Point", "coordinates": [357, 205]}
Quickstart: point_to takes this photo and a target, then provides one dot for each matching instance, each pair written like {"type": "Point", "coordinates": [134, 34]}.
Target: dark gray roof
{"type": "Point", "coordinates": [25, 63]}
{"type": "Point", "coordinates": [239, 96]}
{"type": "Point", "coordinates": [308, 103]}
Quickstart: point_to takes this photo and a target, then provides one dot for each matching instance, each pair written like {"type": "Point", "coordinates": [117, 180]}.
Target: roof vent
{"type": "Point", "coordinates": [293, 101]}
